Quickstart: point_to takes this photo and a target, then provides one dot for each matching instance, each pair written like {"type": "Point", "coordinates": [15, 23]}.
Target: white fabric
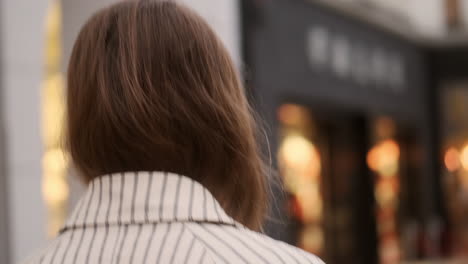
{"type": "Point", "coordinates": [154, 217]}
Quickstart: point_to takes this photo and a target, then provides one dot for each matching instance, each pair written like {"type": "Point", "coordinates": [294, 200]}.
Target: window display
{"type": "Point", "coordinates": [455, 160]}
{"type": "Point", "coordinates": [352, 185]}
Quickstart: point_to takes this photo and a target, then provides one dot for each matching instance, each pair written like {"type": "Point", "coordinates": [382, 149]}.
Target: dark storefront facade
{"type": "Point", "coordinates": [449, 66]}
{"type": "Point", "coordinates": [349, 114]}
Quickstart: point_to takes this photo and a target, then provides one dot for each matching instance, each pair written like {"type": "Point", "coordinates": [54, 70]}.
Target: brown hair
{"type": "Point", "coordinates": [152, 88]}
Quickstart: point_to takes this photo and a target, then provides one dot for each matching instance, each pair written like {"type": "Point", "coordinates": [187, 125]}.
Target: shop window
{"type": "Point", "coordinates": [455, 160]}
{"type": "Point", "coordinates": [300, 166]}
{"type": "Point", "coordinates": [384, 161]}
{"type": "Point", "coordinates": [352, 184]}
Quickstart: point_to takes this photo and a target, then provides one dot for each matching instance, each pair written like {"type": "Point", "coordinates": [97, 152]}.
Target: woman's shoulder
{"type": "Point", "coordinates": [243, 245]}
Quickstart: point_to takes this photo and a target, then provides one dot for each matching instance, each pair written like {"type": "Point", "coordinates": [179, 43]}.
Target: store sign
{"type": "Point", "coordinates": [355, 60]}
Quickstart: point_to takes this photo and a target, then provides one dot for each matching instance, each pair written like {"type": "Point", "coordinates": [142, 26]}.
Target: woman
{"type": "Point", "coordinates": [160, 129]}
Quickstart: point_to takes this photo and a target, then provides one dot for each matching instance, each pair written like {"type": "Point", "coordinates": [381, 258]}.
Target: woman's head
{"type": "Point", "coordinates": [151, 88]}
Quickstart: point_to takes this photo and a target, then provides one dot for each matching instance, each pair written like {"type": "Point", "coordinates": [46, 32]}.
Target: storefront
{"type": "Point", "coordinates": [450, 80]}
{"type": "Point", "coordinates": [350, 131]}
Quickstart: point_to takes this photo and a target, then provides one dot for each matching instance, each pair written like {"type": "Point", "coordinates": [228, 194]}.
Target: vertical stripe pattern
{"type": "Point", "coordinates": [154, 217]}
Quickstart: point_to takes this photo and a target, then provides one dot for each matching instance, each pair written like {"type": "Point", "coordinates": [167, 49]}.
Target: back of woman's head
{"type": "Point", "coordinates": [151, 88]}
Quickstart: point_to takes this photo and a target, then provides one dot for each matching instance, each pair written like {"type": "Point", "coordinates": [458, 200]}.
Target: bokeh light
{"type": "Point", "coordinates": [300, 159]}
{"type": "Point", "coordinates": [291, 114]}
{"type": "Point", "coordinates": [464, 157]}
{"type": "Point", "coordinates": [312, 238]}
{"type": "Point", "coordinates": [452, 159]}
{"type": "Point", "coordinates": [384, 158]}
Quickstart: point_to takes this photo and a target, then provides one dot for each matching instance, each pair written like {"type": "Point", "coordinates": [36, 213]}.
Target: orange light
{"type": "Point", "coordinates": [385, 127]}
{"type": "Point", "coordinates": [390, 251]}
{"type": "Point", "coordinates": [291, 114]}
{"type": "Point", "coordinates": [452, 159]}
{"type": "Point", "coordinates": [297, 151]}
{"type": "Point", "coordinates": [464, 157]}
{"type": "Point", "coordinates": [299, 160]}
{"type": "Point", "coordinates": [312, 239]}
{"type": "Point", "coordinates": [384, 158]}
{"type": "Point", "coordinates": [386, 192]}
{"type": "Point", "coordinates": [309, 199]}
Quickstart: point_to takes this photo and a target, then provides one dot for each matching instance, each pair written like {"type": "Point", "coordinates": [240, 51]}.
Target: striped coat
{"type": "Point", "coordinates": [153, 217]}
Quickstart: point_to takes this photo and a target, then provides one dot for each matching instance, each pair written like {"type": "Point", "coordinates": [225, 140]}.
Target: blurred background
{"type": "Point", "coordinates": [365, 105]}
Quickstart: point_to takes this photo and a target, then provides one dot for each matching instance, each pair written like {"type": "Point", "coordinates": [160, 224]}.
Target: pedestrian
{"type": "Point", "coordinates": [159, 128]}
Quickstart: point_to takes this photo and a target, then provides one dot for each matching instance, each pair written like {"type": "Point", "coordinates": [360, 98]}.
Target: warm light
{"type": "Point", "coordinates": [462, 183]}
{"type": "Point", "coordinates": [53, 49]}
{"type": "Point", "coordinates": [312, 239]}
{"type": "Point", "coordinates": [387, 226]}
{"type": "Point", "coordinates": [55, 187]}
{"type": "Point", "coordinates": [299, 151]}
{"type": "Point", "coordinates": [291, 114]}
{"type": "Point", "coordinates": [310, 201]}
{"type": "Point", "coordinates": [53, 109]}
{"type": "Point", "coordinates": [452, 159]}
{"type": "Point", "coordinates": [385, 127]}
{"type": "Point", "coordinates": [299, 161]}
{"type": "Point", "coordinates": [300, 166]}
{"type": "Point", "coordinates": [386, 192]}
{"type": "Point", "coordinates": [464, 157]}
{"type": "Point", "coordinates": [390, 251]}
{"type": "Point", "coordinates": [384, 158]}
